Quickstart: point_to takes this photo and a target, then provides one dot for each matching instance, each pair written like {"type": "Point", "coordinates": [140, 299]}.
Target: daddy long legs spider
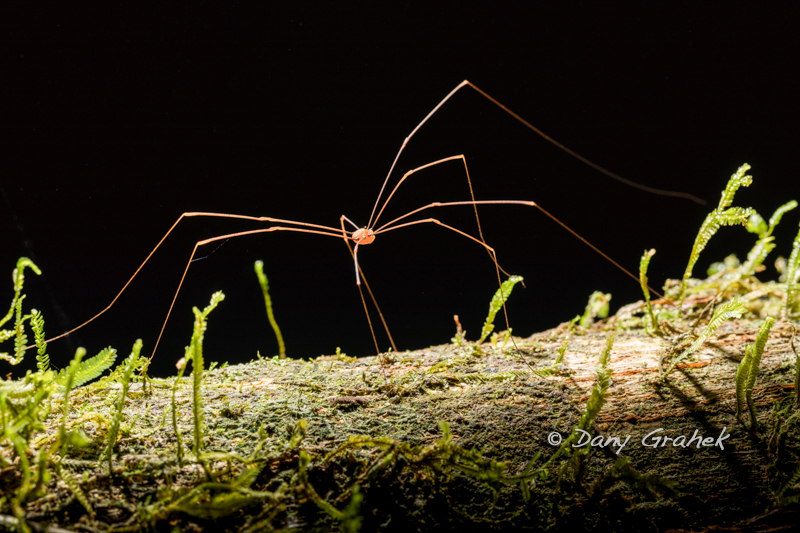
{"type": "Point", "coordinates": [362, 236]}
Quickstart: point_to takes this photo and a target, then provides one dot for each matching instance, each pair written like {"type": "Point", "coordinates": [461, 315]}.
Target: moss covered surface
{"type": "Point", "coordinates": [485, 467]}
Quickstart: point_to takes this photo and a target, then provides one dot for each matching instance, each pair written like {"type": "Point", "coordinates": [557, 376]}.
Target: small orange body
{"type": "Point", "coordinates": [363, 236]}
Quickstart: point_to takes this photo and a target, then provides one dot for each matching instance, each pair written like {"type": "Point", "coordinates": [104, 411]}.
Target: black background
{"type": "Point", "coordinates": [118, 118]}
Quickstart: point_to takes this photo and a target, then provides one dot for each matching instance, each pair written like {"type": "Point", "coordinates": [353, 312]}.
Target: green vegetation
{"type": "Point", "coordinates": [764, 244]}
{"type": "Point", "coordinates": [37, 324]}
{"type": "Point", "coordinates": [194, 353]}
{"type": "Point", "coordinates": [86, 371]}
{"type": "Point", "coordinates": [792, 278]}
{"type": "Point", "coordinates": [796, 367]}
{"type": "Point", "coordinates": [727, 310]}
{"type": "Point", "coordinates": [748, 371]}
{"type": "Point", "coordinates": [597, 307]}
{"type": "Point", "coordinates": [723, 215]}
{"type": "Point", "coordinates": [558, 366]}
{"type": "Point", "coordinates": [563, 350]}
{"type": "Point", "coordinates": [596, 401]}
{"type": "Point", "coordinates": [262, 280]}
{"type": "Point", "coordinates": [15, 311]}
{"type": "Point", "coordinates": [644, 263]}
{"type": "Point", "coordinates": [131, 364]}
{"type": "Point", "coordinates": [497, 303]}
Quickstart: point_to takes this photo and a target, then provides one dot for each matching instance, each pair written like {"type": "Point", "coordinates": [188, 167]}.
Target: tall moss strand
{"type": "Point", "coordinates": [644, 262]}
{"type": "Point", "coordinates": [74, 486]}
{"type": "Point", "coordinates": [302, 473]}
{"type": "Point", "coordinates": [796, 367]}
{"type": "Point", "coordinates": [70, 377]}
{"type": "Point", "coordinates": [593, 406]}
{"type": "Point", "coordinates": [21, 495]}
{"type": "Point", "coordinates": [755, 362]}
{"type": "Point", "coordinates": [18, 276]}
{"type": "Point", "coordinates": [764, 245]}
{"type": "Point", "coordinates": [131, 363]}
{"type": "Point", "coordinates": [37, 324]}
{"type": "Point", "coordinates": [175, 428]}
{"type": "Point", "coordinates": [21, 339]}
{"type": "Point", "coordinates": [262, 280]}
{"type": "Point", "coordinates": [723, 215]}
{"type": "Point", "coordinates": [741, 381]}
{"type": "Point", "coordinates": [792, 275]}
{"type": "Point", "coordinates": [351, 518]}
{"type": "Point", "coordinates": [496, 304]}
{"type": "Point", "coordinates": [563, 349]}
{"type": "Point", "coordinates": [195, 353]}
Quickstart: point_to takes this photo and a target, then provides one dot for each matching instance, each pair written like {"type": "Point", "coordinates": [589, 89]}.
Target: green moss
{"type": "Point", "coordinates": [262, 280]}
{"type": "Point", "coordinates": [722, 215]}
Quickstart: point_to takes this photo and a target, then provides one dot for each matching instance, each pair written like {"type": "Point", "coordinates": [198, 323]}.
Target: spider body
{"type": "Point", "coordinates": [363, 236]}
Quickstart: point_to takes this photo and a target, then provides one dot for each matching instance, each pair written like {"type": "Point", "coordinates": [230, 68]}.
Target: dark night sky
{"type": "Point", "coordinates": [119, 118]}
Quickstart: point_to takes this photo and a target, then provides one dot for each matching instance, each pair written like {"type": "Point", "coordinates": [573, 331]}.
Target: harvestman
{"type": "Point", "coordinates": [366, 235]}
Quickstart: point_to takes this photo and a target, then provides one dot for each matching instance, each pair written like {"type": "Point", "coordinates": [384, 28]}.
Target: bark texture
{"type": "Point", "coordinates": [279, 450]}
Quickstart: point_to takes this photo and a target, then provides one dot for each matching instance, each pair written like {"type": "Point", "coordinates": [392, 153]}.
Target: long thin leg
{"type": "Point", "coordinates": [471, 194]}
{"type": "Point", "coordinates": [392, 226]}
{"type": "Point", "coordinates": [186, 215]}
{"type": "Point", "coordinates": [538, 132]}
{"type": "Point", "coordinates": [219, 238]}
{"type": "Point", "coordinates": [349, 222]}
{"type": "Point", "coordinates": [579, 157]}
{"type": "Point", "coordinates": [405, 142]}
{"type": "Point", "coordinates": [355, 262]}
{"type": "Point", "coordinates": [371, 295]}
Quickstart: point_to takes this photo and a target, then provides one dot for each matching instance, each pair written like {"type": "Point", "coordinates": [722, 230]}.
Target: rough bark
{"type": "Point", "coordinates": [503, 408]}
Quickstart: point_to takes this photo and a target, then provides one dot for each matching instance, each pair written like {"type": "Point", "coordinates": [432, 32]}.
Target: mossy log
{"type": "Point", "coordinates": [504, 408]}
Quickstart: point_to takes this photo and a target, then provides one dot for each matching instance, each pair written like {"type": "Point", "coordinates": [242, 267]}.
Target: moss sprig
{"type": "Point", "coordinates": [644, 263]}
{"type": "Point", "coordinates": [654, 484]}
{"type": "Point", "coordinates": [796, 367]}
{"type": "Point", "coordinates": [174, 410]}
{"type": "Point", "coordinates": [498, 300]}
{"type": "Point", "coordinates": [747, 372]}
{"type": "Point", "coordinates": [441, 457]}
{"type": "Point", "coordinates": [727, 310]}
{"type": "Point", "coordinates": [723, 215]}
{"type": "Point", "coordinates": [596, 401]}
{"type": "Point", "coordinates": [208, 501]}
{"type": "Point", "coordinates": [20, 339]}
{"type": "Point", "coordinates": [18, 277]}
{"type": "Point", "coordinates": [735, 273]}
{"type": "Point", "coordinates": [790, 482]}
{"type": "Point", "coordinates": [86, 371]}
{"type": "Point", "coordinates": [562, 350]}
{"type": "Point", "coordinates": [792, 278]}
{"type": "Point", "coordinates": [74, 486]}
{"type": "Point", "coordinates": [262, 280]}
{"type": "Point", "coordinates": [764, 245]}
{"type": "Point", "coordinates": [20, 446]}
{"type": "Point", "coordinates": [194, 353]}
{"type": "Point", "coordinates": [597, 307]}
{"type": "Point", "coordinates": [131, 364]}
{"type": "Point", "coordinates": [37, 324]}
{"type": "Point", "coordinates": [302, 473]}
{"type": "Point", "coordinates": [558, 364]}
{"type": "Point", "coordinates": [69, 380]}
